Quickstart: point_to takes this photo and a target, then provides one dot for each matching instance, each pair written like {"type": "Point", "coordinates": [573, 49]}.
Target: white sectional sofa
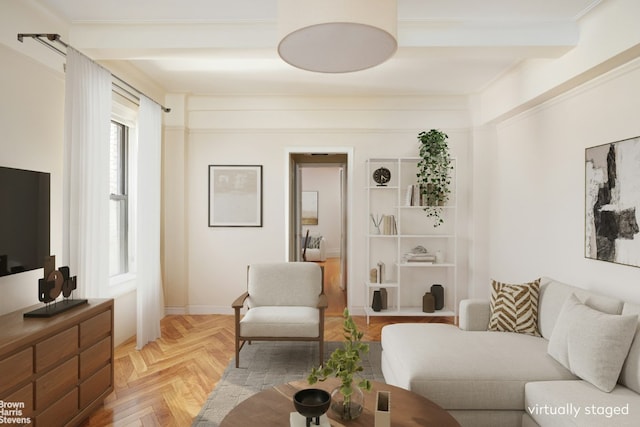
{"type": "Point", "coordinates": [487, 378]}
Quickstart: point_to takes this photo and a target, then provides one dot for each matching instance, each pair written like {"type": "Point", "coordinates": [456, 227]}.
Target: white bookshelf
{"type": "Point", "coordinates": [406, 282]}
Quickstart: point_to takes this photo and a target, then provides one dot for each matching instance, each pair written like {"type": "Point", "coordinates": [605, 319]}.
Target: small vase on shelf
{"type": "Point", "coordinates": [438, 295]}
{"type": "Point", "coordinates": [376, 305]}
{"type": "Point", "coordinates": [384, 297]}
{"type": "Point", "coordinates": [428, 303]}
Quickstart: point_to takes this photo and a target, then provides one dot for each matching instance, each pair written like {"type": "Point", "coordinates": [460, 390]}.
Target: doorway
{"type": "Point", "coordinates": [318, 227]}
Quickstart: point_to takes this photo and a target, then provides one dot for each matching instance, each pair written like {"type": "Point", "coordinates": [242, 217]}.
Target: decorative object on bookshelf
{"type": "Point", "coordinates": [434, 172]}
{"type": "Point", "coordinates": [376, 305]}
{"type": "Point", "coordinates": [439, 257]}
{"type": "Point", "coordinates": [381, 276]}
{"type": "Point", "coordinates": [428, 303]}
{"type": "Point", "coordinates": [382, 176]}
{"type": "Point", "coordinates": [373, 275]}
{"type": "Point", "coordinates": [385, 298]}
{"type": "Point", "coordinates": [419, 254]}
{"type": "Point", "coordinates": [438, 295]}
{"type": "Point", "coordinates": [377, 220]}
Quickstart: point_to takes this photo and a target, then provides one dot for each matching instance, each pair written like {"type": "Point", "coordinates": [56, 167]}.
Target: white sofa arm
{"type": "Point", "coordinates": [474, 314]}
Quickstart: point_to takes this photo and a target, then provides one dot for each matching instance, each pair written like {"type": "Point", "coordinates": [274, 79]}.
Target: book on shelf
{"type": "Point", "coordinates": [389, 225]}
{"type": "Point", "coordinates": [413, 196]}
{"type": "Point", "coordinates": [425, 259]}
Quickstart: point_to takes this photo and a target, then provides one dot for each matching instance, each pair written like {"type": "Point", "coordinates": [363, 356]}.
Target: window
{"type": "Point", "coordinates": [118, 200]}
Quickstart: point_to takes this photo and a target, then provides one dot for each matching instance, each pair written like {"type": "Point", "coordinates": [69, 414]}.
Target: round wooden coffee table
{"type": "Point", "coordinates": [272, 407]}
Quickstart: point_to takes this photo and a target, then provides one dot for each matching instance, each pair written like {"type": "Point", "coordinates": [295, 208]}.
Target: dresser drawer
{"type": "Point", "coordinates": [16, 369]}
{"type": "Point", "coordinates": [23, 396]}
{"type": "Point", "coordinates": [59, 347]}
{"type": "Point", "coordinates": [52, 385]}
{"type": "Point", "coordinates": [64, 408]}
{"type": "Point", "coordinates": [95, 357]}
{"type": "Point", "coordinates": [94, 329]}
{"type": "Point", "coordinates": [93, 387]}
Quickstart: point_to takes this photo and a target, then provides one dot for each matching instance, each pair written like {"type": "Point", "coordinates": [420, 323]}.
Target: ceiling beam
{"type": "Point", "coordinates": [119, 40]}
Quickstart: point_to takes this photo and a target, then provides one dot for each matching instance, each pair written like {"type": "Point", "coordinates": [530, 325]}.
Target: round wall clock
{"type": "Point", "coordinates": [382, 176]}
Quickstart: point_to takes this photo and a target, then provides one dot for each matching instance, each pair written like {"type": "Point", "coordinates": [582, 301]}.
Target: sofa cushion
{"type": "Point", "coordinates": [630, 374]}
{"type": "Point", "coordinates": [514, 308]}
{"type": "Point", "coordinates": [466, 370]}
{"type": "Point", "coordinates": [553, 294]}
{"type": "Point", "coordinates": [592, 344]}
{"type": "Point", "coordinates": [579, 403]}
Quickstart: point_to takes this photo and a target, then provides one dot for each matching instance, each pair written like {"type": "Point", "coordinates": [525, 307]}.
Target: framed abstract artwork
{"type": "Point", "coordinates": [309, 208]}
{"type": "Point", "coordinates": [612, 202]}
{"type": "Point", "coordinates": [235, 196]}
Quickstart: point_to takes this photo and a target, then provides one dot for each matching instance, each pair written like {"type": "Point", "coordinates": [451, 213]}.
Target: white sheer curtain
{"type": "Point", "coordinates": [149, 280]}
{"type": "Point", "coordinates": [86, 173]}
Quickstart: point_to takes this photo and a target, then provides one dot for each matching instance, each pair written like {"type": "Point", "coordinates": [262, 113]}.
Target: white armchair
{"type": "Point", "coordinates": [285, 302]}
{"type": "Point", "coordinates": [314, 248]}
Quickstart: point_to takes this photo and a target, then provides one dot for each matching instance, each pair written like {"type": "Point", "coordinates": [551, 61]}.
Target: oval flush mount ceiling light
{"type": "Point", "coordinates": [337, 36]}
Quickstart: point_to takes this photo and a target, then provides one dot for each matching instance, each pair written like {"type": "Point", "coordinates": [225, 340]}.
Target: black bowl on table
{"type": "Point", "coordinates": [312, 403]}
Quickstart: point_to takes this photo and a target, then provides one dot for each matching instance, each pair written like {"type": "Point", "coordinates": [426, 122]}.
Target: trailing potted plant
{"type": "Point", "coordinates": [347, 400]}
{"type": "Point", "coordinates": [434, 172]}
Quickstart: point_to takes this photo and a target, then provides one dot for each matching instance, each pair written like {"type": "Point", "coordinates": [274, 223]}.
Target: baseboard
{"type": "Point", "coordinates": [177, 309]}
{"type": "Point", "coordinates": [216, 309]}
{"type": "Point", "coordinates": [197, 309]}
{"type": "Point", "coordinates": [209, 309]}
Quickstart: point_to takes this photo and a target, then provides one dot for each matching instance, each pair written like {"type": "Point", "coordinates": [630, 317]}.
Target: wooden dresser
{"type": "Point", "coordinates": [56, 371]}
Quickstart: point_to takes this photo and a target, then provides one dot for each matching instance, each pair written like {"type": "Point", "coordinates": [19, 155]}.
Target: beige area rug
{"type": "Point", "coordinates": [267, 364]}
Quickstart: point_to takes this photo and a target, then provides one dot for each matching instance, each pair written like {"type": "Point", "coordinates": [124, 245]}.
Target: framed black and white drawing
{"type": "Point", "coordinates": [612, 202]}
{"type": "Point", "coordinates": [235, 196]}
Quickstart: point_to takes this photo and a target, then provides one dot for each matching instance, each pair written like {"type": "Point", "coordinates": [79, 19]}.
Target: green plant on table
{"type": "Point", "coordinates": [344, 363]}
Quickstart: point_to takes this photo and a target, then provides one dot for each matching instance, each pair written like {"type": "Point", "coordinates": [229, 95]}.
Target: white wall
{"type": "Point", "coordinates": [31, 119]}
{"type": "Point", "coordinates": [259, 131]}
{"type": "Point", "coordinates": [537, 200]}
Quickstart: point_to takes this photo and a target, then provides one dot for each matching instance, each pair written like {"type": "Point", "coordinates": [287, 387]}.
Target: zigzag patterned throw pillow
{"type": "Point", "coordinates": [514, 308]}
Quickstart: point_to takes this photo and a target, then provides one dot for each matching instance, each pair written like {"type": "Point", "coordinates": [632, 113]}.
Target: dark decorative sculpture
{"type": "Point", "coordinates": [54, 283]}
{"type": "Point", "coordinates": [69, 284]}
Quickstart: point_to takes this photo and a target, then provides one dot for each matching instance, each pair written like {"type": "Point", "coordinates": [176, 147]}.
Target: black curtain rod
{"type": "Point", "coordinates": [51, 38]}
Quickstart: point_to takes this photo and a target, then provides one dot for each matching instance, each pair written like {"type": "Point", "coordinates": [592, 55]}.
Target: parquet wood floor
{"type": "Point", "coordinates": [168, 381]}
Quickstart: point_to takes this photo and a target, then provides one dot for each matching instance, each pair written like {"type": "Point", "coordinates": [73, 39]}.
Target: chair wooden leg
{"type": "Point", "coordinates": [237, 353]}
{"type": "Point", "coordinates": [237, 330]}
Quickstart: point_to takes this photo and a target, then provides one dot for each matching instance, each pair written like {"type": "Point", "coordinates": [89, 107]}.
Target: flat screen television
{"type": "Point", "coordinates": [24, 220]}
